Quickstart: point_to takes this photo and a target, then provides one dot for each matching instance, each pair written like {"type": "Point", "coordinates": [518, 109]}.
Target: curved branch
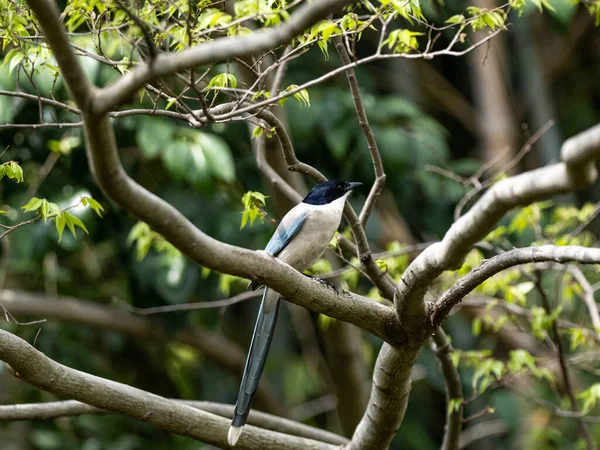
{"type": "Point", "coordinates": [576, 172]}
{"type": "Point", "coordinates": [42, 372]}
{"type": "Point", "coordinates": [218, 348]}
{"type": "Point", "coordinates": [388, 400]}
{"type": "Point", "coordinates": [70, 408]}
{"type": "Point", "coordinates": [106, 166]}
{"type": "Point", "coordinates": [217, 50]}
{"type": "Point", "coordinates": [492, 266]}
{"type": "Point", "coordinates": [443, 350]}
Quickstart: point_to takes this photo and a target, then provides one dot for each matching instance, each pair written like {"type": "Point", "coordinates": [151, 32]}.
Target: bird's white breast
{"type": "Point", "coordinates": [320, 224]}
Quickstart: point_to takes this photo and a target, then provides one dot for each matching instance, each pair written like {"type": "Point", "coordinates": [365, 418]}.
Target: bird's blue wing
{"type": "Point", "coordinates": [286, 230]}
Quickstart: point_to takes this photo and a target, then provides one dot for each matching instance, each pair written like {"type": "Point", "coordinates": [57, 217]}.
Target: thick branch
{"type": "Point", "coordinates": [70, 408]}
{"type": "Point", "coordinates": [211, 52]}
{"type": "Point", "coordinates": [40, 371]}
{"type": "Point", "coordinates": [443, 350]}
{"type": "Point", "coordinates": [449, 253]}
{"type": "Point", "coordinates": [576, 172]}
{"type": "Point", "coordinates": [218, 348]}
{"type": "Point", "coordinates": [79, 86]}
{"type": "Point", "coordinates": [388, 400]}
{"type": "Point", "coordinates": [492, 266]}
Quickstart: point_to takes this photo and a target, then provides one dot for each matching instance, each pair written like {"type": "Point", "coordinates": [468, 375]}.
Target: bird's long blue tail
{"type": "Point", "coordinates": [255, 362]}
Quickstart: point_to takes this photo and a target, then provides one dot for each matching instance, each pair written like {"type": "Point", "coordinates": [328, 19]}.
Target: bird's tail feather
{"type": "Point", "coordinates": [255, 362]}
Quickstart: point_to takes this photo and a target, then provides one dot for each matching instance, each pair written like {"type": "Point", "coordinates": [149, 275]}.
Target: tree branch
{"type": "Point", "coordinates": [443, 350]}
{"type": "Point", "coordinates": [564, 368]}
{"type": "Point", "coordinates": [492, 266]}
{"type": "Point", "coordinates": [376, 430]}
{"type": "Point", "coordinates": [218, 348]}
{"type": "Point", "coordinates": [40, 371]}
{"type": "Point", "coordinates": [210, 52]}
{"type": "Point", "coordinates": [165, 219]}
{"type": "Point", "coordinates": [576, 172]}
{"type": "Point", "coordinates": [363, 122]}
{"type": "Point", "coordinates": [70, 408]}
{"type": "Point", "coordinates": [388, 400]}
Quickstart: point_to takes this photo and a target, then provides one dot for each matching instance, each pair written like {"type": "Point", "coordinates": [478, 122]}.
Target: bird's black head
{"type": "Point", "coordinates": [328, 191]}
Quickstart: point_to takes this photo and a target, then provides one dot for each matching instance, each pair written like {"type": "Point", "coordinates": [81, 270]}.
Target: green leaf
{"type": "Point", "coordinates": [60, 226]}
{"type": "Point", "coordinates": [590, 397]}
{"type": "Point", "coordinates": [72, 222]}
{"type": "Point", "coordinates": [454, 405]}
{"type": "Point", "coordinates": [254, 203]}
{"type": "Point", "coordinates": [12, 170]}
{"type": "Point", "coordinates": [32, 204]}
{"type": "Point", "coordinates": [301, 96]}
{"type": "Point", "coordinates": [212, 17]}
{"type": "Point", "coordinates": [178, 159]}
{"type": "Point", "coordinates": [222, 80]}
{"type": "Point", "coordinates": [97, 207]}
{"type": "Point", "coordinates": [476, 327]}
{"type": "Point", "coordinates": [403, 41]}
{"type": "Point", "coordinates": [258, 130]}
{"type": "Point", "coordinates": [324, 322]}
{"type": "Point", "coordinates": [459, 18]}
{"type": "Point", "coordinates": [171, 102]}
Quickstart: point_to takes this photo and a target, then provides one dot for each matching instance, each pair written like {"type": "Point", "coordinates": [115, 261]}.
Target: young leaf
{"type": "Point", "coordinates": [97, 207]}
{"type": "Point", "coordinates": [60, 223]}
{"type": "Point", "coordinates": [32, 204]}
{"type": "Point", "coordinates": [72, 222]}
{"type": "Point", "coordinates": [258, 130]}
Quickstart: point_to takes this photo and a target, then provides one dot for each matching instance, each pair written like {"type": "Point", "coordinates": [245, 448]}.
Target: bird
{"type": "Point", "coordinates": [300, 240]}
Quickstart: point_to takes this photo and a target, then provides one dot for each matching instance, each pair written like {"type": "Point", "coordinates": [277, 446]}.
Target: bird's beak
{"type": "Point", "coordinates": [352, 185]}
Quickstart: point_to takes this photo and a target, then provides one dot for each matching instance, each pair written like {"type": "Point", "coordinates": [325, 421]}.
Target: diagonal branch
{"type": "Point", "coordinates": [108, 171]}
{"type": "Point", "coordinates": [210, 52]}
{"type": "Point", "coordinates": [70, 408]}
{"type": "Point", "coordinates": [576, 172]}
{"type": "Point", "coordinates": [218, 348]}
{"type": "Point", "coordinates": [492, 266]}
{"type": "Point", "coordinates": [363, 122]}
{"type": "Point", "coordinates": [40, 371]}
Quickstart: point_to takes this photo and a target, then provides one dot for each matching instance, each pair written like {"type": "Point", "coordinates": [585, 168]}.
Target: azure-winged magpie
{"type": "Point", "coordinates": [300, 240]}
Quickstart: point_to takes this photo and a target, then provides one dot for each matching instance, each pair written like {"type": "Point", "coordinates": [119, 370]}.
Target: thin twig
{"type": "Point", "coordinates": [443, 350]}
{"type": "Point", "coordinates": [197, 305]}
{"type": "Point", "coordinates": [568, 384]}
{"type": "Point", "coordinates": [363, 122]}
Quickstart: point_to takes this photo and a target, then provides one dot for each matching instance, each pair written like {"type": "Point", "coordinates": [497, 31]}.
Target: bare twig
{"type": "Point", "coordinates": [564, 368]}
{"type": "Point", "coordinates": [454, 397]}
{"type": "Point", "coordinates": [198, 305]}
{"type": "Point", "coordinates": [363, 122]}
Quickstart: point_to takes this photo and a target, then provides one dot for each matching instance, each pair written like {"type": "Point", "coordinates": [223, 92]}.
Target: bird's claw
{"type": "Point", "coordinates": [329, 284]}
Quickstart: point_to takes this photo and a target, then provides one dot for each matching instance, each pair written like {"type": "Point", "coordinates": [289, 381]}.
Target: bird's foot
{"type": "Point", "coordinates": [330, 285]}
